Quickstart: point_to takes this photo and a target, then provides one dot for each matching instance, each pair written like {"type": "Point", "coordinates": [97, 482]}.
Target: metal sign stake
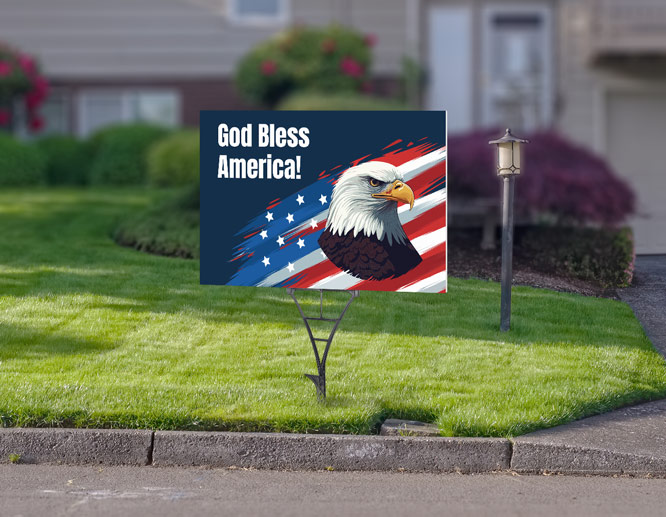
{"type": "Point", "coordinates": [319, 380]}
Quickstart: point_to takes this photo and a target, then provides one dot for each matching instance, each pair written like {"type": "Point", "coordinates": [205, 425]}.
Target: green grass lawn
{"type": "Point", "coordinates": [93, 334]}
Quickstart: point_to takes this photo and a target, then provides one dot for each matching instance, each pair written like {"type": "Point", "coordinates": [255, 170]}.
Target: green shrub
{"type": "Point", "coordinates": [329, 59]}
{"type": "Point", "coordinates": [174, 160]}
{"type": "Point", "coordinates": [318, 101]}
{"type": "Point", "coordinates": [20, 164]}
{"type": "Point", "coordinates": [67, 159]}
{"type": "Point", "coordinates": [170, 228]}
{"type": "Point", "coordinates": [120, 153]}
{"type": "Point", "coordinates": [604, 256]}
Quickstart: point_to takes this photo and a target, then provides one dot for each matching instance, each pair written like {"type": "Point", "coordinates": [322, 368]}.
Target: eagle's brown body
{"type": "Point", "coordinates": [369, 258]}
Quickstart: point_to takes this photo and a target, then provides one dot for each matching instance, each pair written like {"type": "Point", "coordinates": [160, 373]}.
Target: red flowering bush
{"type": "Point", "coordinates": [20, 77]}
{"type": "Point", "coordinates": [332, 59]}
{"type": "Point", "coordinates": [559, 178]}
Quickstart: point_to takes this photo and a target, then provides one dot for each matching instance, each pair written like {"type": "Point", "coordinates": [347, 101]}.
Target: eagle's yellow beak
{"type": "Point", "coordinates": [398, 191]}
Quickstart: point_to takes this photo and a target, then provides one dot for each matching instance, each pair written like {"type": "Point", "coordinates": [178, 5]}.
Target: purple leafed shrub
{"type": "Point", "coordinates": [558, 178]}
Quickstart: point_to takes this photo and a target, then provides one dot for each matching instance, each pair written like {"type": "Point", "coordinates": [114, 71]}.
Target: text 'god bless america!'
{"type": "Point", "coordinates": [265, 135]}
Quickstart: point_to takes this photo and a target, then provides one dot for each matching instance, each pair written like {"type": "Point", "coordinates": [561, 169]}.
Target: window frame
{"type": "Point", "coordinates": [282, 17]}
{"type": "Point", "coordinates": [125, 95]}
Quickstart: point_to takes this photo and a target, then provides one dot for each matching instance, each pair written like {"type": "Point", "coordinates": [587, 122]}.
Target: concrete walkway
{"type": "Point", "coordinates": [647, 298]}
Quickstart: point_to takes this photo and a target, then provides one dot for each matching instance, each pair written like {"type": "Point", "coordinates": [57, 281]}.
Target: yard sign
{"type": "Point", "coordinates": [324, 200]}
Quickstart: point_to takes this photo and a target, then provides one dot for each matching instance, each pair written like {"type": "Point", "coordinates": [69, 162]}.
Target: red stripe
{"type": "Point", "coordinates": [426, 179]}
{"type": "Point", "coordinates": [429, 221]}
{"type": "Point", "coordinates": [402, 156]}
{"type": "Point", "coordinates": [392, 144]}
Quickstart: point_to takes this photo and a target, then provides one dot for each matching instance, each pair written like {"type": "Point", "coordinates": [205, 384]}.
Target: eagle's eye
{"type": "Point", "coordinates": [374, 182]}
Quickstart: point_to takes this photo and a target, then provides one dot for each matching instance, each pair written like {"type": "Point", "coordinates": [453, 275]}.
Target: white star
{"type": "Point", "coordinates": [269, 216]}
{"type": "Point", "coordinates": [290, 267]}
{"type": "Point", "coordinates": [323, 199]}
{"type": "Point", "coordinates": [263, 234]}
{"type": "Point", "coordinates": [300, 199]}
{"type": "Point", "coordinates": [266, 261]}
{"type": "Point", "coordinates": [313, 223]}
{"type": "Point", "coordinates": [290, 218]}
{"type": "Point", "coordinates": [300, 243]}
{"type": "Point", "coordinates": [280, 240]}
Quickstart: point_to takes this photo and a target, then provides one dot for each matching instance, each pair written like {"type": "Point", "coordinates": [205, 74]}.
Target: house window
{"type": "Point", "coordinates": [101, 108]}
{"type": "Point", "coordinates": [518, 60]}
{"type": "Point", "coordinates": [259, 12]}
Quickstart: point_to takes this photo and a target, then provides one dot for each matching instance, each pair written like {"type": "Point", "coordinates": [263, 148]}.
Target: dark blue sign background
{"type": "Point", "coordinates": [336, 138]}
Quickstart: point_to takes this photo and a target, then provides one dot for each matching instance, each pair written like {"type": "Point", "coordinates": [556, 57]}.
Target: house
{"type": "Point", "coordinates": [593, 69]}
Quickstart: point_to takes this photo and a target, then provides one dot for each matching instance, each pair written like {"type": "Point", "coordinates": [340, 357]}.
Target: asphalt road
{"type": "Point", "coordinates": [59, 490]}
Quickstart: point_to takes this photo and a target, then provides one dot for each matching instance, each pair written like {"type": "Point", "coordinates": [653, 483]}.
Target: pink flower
{"type": "Point", "coordinates": [351, 67]}
{"type": "Point", "coordinates": [370, 40]}
{"type": "Point", "coordinates": [5, 117]}
{"type": "Point", "coordinates": [5, 69]}
{"type": "Point", "coordinates": [328, 46]}
{"type": "Point", "coordinates": [36, 123]}
{"type": "Point", "coordinates": [268, 67]}
{"type": "Point", "coordinates": [37, 94]}
{"type": "Point", "coordinates": [27, 63]}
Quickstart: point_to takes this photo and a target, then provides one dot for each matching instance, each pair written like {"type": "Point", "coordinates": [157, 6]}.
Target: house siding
{"type": "Point", "coordinates": [164, 38]}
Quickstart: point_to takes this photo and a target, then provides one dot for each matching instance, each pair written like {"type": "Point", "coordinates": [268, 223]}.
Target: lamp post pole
{"type": "Point", "coordinates": [507, 252]}
{"type": "Point", "coordinates": [508, 167]}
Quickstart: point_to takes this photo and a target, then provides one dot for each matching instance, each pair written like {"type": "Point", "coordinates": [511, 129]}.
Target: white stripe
{"type": "Point", "coordinates": [433, 284]}
{"type": "Point", "coordinates": [425, 243]}
{"type": "Point", "coordinates": [340, 280]}
{"type": "Point", "coordinates": [413, 168]}
{"type": "Point", "coordinates": [421, 205]}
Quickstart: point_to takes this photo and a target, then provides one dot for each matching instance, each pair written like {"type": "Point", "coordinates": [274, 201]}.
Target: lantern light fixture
{"type": "Point", "coordinates": [508, 154]}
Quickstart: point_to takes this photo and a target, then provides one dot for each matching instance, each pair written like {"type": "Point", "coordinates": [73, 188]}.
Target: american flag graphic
{"type": "Point", "coordinates": [279, 248]}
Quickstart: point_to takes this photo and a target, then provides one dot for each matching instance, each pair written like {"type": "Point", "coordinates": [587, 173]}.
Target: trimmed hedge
{"type": "Point", "coordinates": [67, 160]}
{"type": "Point", "coordinates": [120, 153]}
{"type": "Point", "coordinates": [559, 178]}
{"type": "Point", "coordinates": [20, 164]}
{"type": "Point", "coordinates": [313, 101]}
{"type": "Point", "coordinates": [330, 59]}
{"type": "Point", "coordinates": [174, 160]}
{"type": "Point", "coordinates": [603, 256]}
{"type": "Point", "coordinates": [170, 228]}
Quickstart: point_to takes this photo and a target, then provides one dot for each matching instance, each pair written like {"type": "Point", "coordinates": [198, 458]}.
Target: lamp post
{"type": "Point", "coordinates": [508, 167]}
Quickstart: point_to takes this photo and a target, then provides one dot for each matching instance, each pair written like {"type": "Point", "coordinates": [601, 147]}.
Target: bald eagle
{"type": "Point", "coordinates": [363, 234]}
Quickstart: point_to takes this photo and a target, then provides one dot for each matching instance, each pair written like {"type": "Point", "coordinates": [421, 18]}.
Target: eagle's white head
{"type": "Point", "coordinates": [365, 199]}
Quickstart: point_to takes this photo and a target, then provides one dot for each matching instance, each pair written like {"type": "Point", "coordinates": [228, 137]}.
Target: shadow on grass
{"type": "Point", "coordinates": [469, 311]}
{"type": "Point", "coordinates": [18, 342]}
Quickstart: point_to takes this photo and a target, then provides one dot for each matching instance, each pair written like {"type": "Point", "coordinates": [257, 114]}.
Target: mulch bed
{"type": "Point", "coordinates": [467, 260]}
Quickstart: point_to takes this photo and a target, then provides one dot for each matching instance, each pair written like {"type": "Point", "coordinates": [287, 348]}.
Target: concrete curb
{"type": "Point", "coordinates": [626, 441]}
{"type": "Point", "coordinates": [338, 452]}
{"type": "Point", "coordinates": [77, 446]}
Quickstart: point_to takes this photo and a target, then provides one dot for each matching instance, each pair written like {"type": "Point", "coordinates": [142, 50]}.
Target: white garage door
{"type": "Point", "coordinates": [637, 149]}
